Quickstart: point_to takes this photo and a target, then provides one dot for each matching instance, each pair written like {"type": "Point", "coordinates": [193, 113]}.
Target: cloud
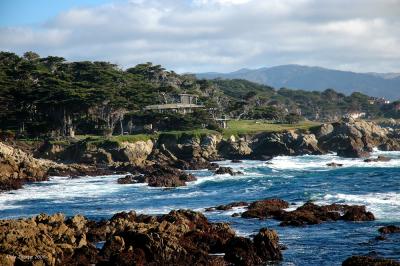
{"type": "Point", "coordinates": [222, 35]}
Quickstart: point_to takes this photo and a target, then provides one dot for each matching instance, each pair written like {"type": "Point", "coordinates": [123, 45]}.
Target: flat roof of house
{"type": "Point", "coordinates": [172, 106]}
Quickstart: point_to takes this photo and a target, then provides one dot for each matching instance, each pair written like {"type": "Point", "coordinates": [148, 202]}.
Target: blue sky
{"type": "Point", "coordinates": [209, 35]}
{"type": "Point", "coordinates": [28, 12]}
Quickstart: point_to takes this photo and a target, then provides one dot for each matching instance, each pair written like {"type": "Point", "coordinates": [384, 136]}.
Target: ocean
{"type": "Point", "coordinates": [296, 179]}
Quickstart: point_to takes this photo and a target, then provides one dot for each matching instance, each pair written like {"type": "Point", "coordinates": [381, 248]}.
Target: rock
{"type": "Point", "coordinates": [355, 138]}
{"type": "Point", "coordinates": [390, 229]}
{"type": "Point", "coordinates": [18, 167]}
{"type": "Point", "coordinates": [310, 214]}
{"type": "Point", "coordinates": [285, 143]}
{"type": "Point", "coordinates": [235, 149]}
{"type": "Point", "coordinates": [324, 130]}
{"type": "Point", "coordinates": [265, 247]}
{"type": "Point", "coordinates": [333, 164]}
{"type": "Point", "coordinates": [265, 208]}
{"type": "Point", "coordinates": [229, 206]}
{"type": "Point", "coordinates": [227, 170]}
{"type": "Point", "coordinates": [197, 164]}
{"type": "Point", "coordinates": [369, 261]}
{"type": "Point", "coordinates": [47, 240]}
{"type": "Point", "coordinates": [353, 152]}
{"type": "Point", "coordinates": [136, 152]}
{"type": "Point", "coordinates": [357, 213]}
{"type": "Point", "coordinates": [241, 251]}
{"type": "Point", "coordinates": [380, 158]}
{"type": "Point", "coordinates": [236, 161]}
{"type": "Point", "coordinates": [128, 179]}
{"type": "Point", "coordinates": [164, 176]}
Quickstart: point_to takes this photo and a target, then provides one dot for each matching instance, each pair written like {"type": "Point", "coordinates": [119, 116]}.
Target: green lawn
{"type": "Point", "coordinates": [241, 127]}
{"type": "Point", "coordinates": [235, 128]}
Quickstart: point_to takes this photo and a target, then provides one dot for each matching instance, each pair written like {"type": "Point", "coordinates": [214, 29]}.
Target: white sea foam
{"type": "Point", "coordinates": [319, 162]}
{"type": "Point", "coordinates": [383, 205]}
{"type": "Point", "coordinates": [182, 195]}
{"type": "Point", "coordinates": [61, 189]}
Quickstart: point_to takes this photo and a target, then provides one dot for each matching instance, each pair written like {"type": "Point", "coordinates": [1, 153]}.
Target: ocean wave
{"type": "Point", "coordinates": [319, 162]}
{"type": "Point", "coordinates": [383, 205]}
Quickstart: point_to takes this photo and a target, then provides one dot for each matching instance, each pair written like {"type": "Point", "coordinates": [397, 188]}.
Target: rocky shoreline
{"type": "Point", "coordinates": [161, 162]}
{"type": "Point", "coordinates": [182, 236]}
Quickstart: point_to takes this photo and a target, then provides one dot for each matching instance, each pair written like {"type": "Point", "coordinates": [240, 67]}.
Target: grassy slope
{"type": "Point", "coordinates": [235, 128]}
{"type": "Point", "coordinates": [241, 127]}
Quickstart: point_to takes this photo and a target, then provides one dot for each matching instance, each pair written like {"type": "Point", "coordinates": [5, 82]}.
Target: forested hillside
{"type": "Point", "coordinates": [50, 96]}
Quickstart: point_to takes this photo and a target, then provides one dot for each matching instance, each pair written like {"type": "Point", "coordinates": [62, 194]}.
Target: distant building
{"type": "Point", "coordinates": [378, 101]}
{"type": "Point", "coordinates": [185, 103]}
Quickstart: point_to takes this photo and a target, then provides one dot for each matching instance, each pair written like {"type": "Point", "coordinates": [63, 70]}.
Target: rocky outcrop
{"type": "Point", "coordinates": [191, 147]}
{"type": "Point", "coordinates": [307, 214]}
{"type": "Point", "coordinates": [389, 229]}
{"type": "Point", "coordinates": [380, 158]}
{"type": "Point", "coordinates": [179, 238]}
{"type": "Point", "coordinates": [235, 148]}
{"type": "Point", "coordinates": [229, 206]}
{"type": "Point", "coordinates": [163, 176]}
{"type": "Point", "coordinates": [310, 214]}
{"type": "Point", "coordinates": [264, 247]}
{"type": "Point", "coordinates": [355, 138]}
{"type": "Point", "coordinates": [18, 167]}
{"type": "Point", "coordinates": [89, 151]}
{"type": "Point", "coordinates": [227, 170]}
{"type": "Point", "coordinates": [128, 179]}
{"type": "Point", "coordinates": [43, 239]}
{"type": "Point", "coordinates": [265, 208]}
{"type": "Point", "coordinates": [369, 261]}
{"type": "Point", "coordinates": [285, 143]}
{"type": "Point", "coordinates": [333, 164]}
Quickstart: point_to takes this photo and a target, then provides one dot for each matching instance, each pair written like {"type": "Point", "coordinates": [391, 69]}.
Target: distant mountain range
{"type": "Point", "coordinates": [316, 78]}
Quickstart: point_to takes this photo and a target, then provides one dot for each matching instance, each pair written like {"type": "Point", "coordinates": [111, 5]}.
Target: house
{"type": "Point", "coordinates": [184, 104]}
{"type": "Point", "coordinates": [378, 101]}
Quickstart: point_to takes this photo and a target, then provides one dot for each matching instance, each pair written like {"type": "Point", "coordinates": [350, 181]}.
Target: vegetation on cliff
{"type": "Point", "coordinates": [48, 96]}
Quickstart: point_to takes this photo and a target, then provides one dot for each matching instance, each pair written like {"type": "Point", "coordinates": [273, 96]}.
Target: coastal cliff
{"type": "Point", "coordinates": [173, 153]}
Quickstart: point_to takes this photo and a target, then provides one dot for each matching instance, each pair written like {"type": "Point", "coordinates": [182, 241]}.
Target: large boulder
{"type": "Point", "coordinates": [264, 247]}
{"type": "Point", "coordinates": [163, 176]}
{"type": "Point", "coordinates": [234, 148]}
{"type": "Point", "coordinates": [265, 208]}
{"type": "Point", "coordinates": [285, 143]}
{"type": "Point", "coordinates": [133, 152]}
{"type": "Point", "coordinates": [389, 229]}
{"type": "Point", "coordinates": [310, 214]}
{"type": "Point", "coordinates": [227, 170]}
{"type": "Point", "coordinates": [189, 147]}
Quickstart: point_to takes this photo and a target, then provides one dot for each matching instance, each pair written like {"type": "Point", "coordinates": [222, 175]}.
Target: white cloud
{"type": "Point", "coordinates": [222, 35]}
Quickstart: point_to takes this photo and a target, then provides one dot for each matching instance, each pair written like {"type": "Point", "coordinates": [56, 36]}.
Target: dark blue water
{"type": "Point", "coordinates": [295, 179]}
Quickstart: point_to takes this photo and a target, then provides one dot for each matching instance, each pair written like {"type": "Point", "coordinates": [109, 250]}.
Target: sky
{"type": "Point", "coordinates": [209, 35]}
